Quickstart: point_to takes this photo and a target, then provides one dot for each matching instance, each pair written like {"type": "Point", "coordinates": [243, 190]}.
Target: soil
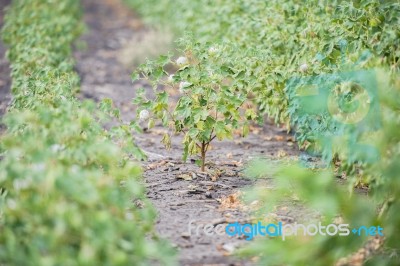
{"type": "Point", "coordinates": [177, 189]}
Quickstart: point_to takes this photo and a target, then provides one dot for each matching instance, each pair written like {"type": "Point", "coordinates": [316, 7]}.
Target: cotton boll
{"type": "Point", "coordinates": [303, 68]}
{"type": "Point", "coordinates": [144, 115]}
{"type": "Point", "coordinates": [181, 61]}
{"type": "Point", "coordinates": [56, 148]}
{"type": "Point", "coordinates": [212, 50]}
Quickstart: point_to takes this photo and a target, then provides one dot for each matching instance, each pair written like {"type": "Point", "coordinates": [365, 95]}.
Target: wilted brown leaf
{"type": "Point", "coordinates": [186, 177]}
{"type": "Point", "coordinates": [255, 130]}
{"type": "Point", "coordinates": [268, 138]}
{"type": "Point", "coordinates": [155, 165]}
{"type": "Point", "coordinates": [281, 154]}
{"type": "Point", "coordinates": [232, 201]}
{"type": "Point", "coordinates": [290, 138]}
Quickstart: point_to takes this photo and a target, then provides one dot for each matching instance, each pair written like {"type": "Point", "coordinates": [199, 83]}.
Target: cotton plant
{"type": "Point", "coordinates": [212, 99]}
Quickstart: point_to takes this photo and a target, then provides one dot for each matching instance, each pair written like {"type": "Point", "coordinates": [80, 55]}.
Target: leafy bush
{"type": "Point", "coordinates": [69, 194]}
{"type": "Point", "coordinates": [212, 102]}
{"type": "Point", "coordinates": [318, 190]}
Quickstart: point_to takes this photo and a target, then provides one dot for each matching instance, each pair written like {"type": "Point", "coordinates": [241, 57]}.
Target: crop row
{"type": "Point", "coordinates": [70, 195]}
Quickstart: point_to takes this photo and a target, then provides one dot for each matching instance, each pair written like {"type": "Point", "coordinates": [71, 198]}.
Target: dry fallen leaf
{"type": "Point", "coordinates": [228, 215]}
{"type": "Point", "coordinates": [233, 163]}
{"type": "Point", "coordinates": [360, 256]}
{"type": "Point", "coordinates": [222, 250]}
{"type": "Point", "coordinates": [158, 131]}
{"type": "Point", "coordinates": [255, 130]}
{"type": "Point", "coordinates": [238, 141]}
{"type": "Point", "coordinates": [305, 145]}
{"type": "Point", "coordinates": [214, 174]}
{"type": "Point", "coordinates": [290, 138]}
{"type": "Point", "coordinates": [229, 173]}
{"type": "Point", "coordinates": [186, 177]}
{"type": "Point", "coordinates": [192, 187]}
{"type": "Point", "coordinates": [279, 138]}
{"type": "Point", "coordinates": [229, 247]}
{"type": "Point", "coordinates": [153, 166]}
{"type": "Point", "coordinates": [281, 154]}
{"type": "Point", "coordinates": [232, 201]}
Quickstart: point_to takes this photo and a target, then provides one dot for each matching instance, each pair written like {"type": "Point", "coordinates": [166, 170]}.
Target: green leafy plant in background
{"type": "Point", "coordinates": [275, 41]}
{"type": "Point", "coordinates": [212, 100]}
{"type": "Point", "coordinates": [319, 191]}
{"type": "Point", "coordinates": [70, 195]}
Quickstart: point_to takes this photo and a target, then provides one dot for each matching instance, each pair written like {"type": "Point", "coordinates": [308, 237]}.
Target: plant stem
{"type": "Point", "coordinates": [203, 155]}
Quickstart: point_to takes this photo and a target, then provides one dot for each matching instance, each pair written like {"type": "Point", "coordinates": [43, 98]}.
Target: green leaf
{"type": "Point", "coordinates": [162, 97]}
{"type": "Point", "coordinates": [220, 130]}
{"type": "Point", "coordinates": [150, 123]}
{"type": "Point", "coordinates": [163, 60]}
{"type": "Point", "coordinates": [166, 140]}
{"type": "Point", "coordinates": [135, 76]}
{"type": "Point", "coordinates": [193, 132]}
{"type": "Point", "coordinates": [185, 151]}
{"type": "Point", "coordinates": [245, 130]}
{"type": "Point", "coordinates": [250, 114]}
{"type": "Point", "coordinates": [133, 125]}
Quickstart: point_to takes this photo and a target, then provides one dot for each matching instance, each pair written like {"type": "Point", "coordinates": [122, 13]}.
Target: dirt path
{"type": "Point", "coordinates": [177, 190]}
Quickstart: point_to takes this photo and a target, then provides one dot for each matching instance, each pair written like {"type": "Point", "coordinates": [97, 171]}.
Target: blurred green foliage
{"type": "Point", "coordinates": [70, 195]}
